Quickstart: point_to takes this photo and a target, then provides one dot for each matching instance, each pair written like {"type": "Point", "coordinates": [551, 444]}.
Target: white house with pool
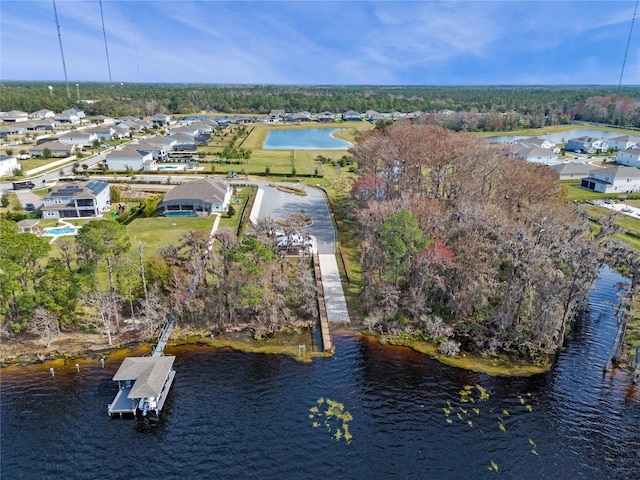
{"type": "Point", "coordinates": [77, 200]}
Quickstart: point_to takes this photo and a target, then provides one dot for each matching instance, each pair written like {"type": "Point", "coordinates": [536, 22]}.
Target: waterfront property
{"type": "Point", "coordinates": [77, 200]}
{"type": "Point", "coordinates": [143, 385]}
{"type": "Point", "coordinates": [200, 197]}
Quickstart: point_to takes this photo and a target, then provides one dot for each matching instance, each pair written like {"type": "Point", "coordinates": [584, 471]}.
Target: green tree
{"type": "Point", "coordinates": [103, 240]}
{"type": "Point", "coordinates": [401, 238]}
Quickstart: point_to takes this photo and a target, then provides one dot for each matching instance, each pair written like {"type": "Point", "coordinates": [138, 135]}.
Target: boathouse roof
{"type": "Point", "coordinates": [148, 373]}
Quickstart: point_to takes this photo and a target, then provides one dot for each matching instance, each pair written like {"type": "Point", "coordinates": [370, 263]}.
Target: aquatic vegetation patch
{"type": "Point", "coordinates": [467, 410]}
{"type": "Point", "coordinates": [333, 417]}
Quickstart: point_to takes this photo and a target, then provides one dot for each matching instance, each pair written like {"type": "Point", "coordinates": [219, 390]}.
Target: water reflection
{"type": "Point", "coordinates": [238, 415]}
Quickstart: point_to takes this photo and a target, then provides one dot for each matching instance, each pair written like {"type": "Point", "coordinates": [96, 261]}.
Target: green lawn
{"type": "Point", "coordinates": [158, 231]}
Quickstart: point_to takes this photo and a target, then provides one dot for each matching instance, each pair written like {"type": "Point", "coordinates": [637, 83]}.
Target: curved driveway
{"type": "Point", "coordinates": [277, 205]}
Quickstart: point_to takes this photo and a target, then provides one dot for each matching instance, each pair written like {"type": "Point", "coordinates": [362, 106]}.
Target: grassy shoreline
{"type": "Point", "coordinates": [285, 343]}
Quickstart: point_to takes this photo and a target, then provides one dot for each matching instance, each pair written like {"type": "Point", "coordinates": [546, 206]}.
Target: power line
{"type": "Point", "coordinates": [104, 34]}
{"type": "Point", "coordinates": [628, 43]}
{"type": "Point", "coordinates": [64, 65]}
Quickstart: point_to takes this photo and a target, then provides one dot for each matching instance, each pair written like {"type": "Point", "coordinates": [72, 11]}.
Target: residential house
{"type": "Point", "coordinates": [351, 116]}
{"type": "Point", "coordinates": [42, 125]}
{"type": "Point", "coordinates": [77, 200]}
{"type": "Point", "coordinates": [160, 151]}
{"type": "Point", "coordinates": [102, 120]}
{"type": "Point", "coordinates": [130, 159]}
{"type": "Point", "coordinates": [612, 180]}
{"type": "Point", "coordinates": [42, 114]}
{"type": "Point", "coordinates": [161, 140]}
{"type": "Point", "coordinates": [56, 149]}
{"type": "Point", "coordinates": [276, 114]}
{"type": "Point", "coordinates": [571, 171]}
{"type": "Point", "coordinates": [326, 117]}
{"type": "Point", "coordinates": [298, 117]}
{"type": "Point", "coordinates": [545, 156]}
{"type": "Point", "coordinates": [15, 116]}
{"type": "Point", "coordinates": [74, 111]}
{"type": "Point", "coordinates": [374, 116]}
{"type": "Point", "coordinates": [84, 138]}
{"type": "Point", "coordinates": [202, 127]}
{"type": "Point", "coordinates": [537, 142]}
{"type": "Point", "coordinates": [200, 197]}
{"type": "Point", "coordinates": [160, 119]}
{"type": "Point", "coordinates": [183, 143]}
{"type": "Point", "coordinates": [67, 119]}
{"type": "Point", "coordinates": [629, 157]}
{"type": "Point", "coordinates": [586, 145]}
{"type": "Point", "coordinates": [623, 142]}
{"type": "Point", "coordinates": [12, 129]}
{"type": "Point", "coordinates": [8, 164]}
{"type": "Point", "coordinates": [104, 132]}
{"type": "Point", "coordinates": [242, 120]}
{"type": "Point", "coordinates": [189, 130]}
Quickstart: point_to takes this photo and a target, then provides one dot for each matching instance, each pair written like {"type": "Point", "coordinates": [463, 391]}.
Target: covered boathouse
{"type": "Point", "coordinates": [144, 383]}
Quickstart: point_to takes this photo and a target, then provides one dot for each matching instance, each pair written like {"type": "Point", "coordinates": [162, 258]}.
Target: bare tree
{"type": "Point", "coordinates": [44, 324]}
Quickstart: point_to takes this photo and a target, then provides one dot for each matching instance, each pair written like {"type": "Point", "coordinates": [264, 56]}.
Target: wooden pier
{"type": "Point", "coordinates": [144, 382]}
{"type": "Point", "coordinates": [327, 346]}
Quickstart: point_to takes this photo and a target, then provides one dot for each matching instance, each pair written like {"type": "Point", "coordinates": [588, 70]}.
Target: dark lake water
{"type": "Point", "coordinates": [235, 415]}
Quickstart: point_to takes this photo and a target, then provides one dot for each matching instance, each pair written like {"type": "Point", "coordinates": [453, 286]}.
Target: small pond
{"type": "Point", "coordinates": [305, 139]}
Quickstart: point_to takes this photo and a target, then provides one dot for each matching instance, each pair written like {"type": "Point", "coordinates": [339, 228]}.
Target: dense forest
{"type": "Point", "coordinates": [476, 108]}
{"type": "Point", "coordinates": [465, 245]}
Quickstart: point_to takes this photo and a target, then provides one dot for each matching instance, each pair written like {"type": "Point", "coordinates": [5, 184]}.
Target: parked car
{"type": "Point", "coordinates": [29, 207]}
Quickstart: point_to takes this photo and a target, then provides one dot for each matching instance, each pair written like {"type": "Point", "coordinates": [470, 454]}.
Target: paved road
{"type": "Point", "coordinates": [278, 205]}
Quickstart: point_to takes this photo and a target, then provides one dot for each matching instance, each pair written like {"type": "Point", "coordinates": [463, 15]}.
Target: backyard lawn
{"type": "Point", "coordinates": [158, 231]}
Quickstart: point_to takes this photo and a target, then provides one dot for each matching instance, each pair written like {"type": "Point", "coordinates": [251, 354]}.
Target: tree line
{"type": "Point", "coordinates": [101, 277]}
{"type": "Point", "coordinates": [527, 105]}
{"type": "Point", "coordinates": [465, 245]}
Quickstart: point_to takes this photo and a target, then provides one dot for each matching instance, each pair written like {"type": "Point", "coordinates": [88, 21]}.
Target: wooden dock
{"type": "Point", "coordinates": [327, 346]}
{"type": "Point", "coordinates": [144, 382]}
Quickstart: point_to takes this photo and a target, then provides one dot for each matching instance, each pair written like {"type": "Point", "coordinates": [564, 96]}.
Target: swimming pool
{"type": "Point", "coordinates": [305, 139]}
{"type": "Point", "coordinates": [171, 167]}
{"type": "Point", "coordinates": [55, 231]}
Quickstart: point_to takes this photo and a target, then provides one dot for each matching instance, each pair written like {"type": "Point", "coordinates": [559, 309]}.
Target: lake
{"type": "Point", "coordinates": [561, 137]}
{"type": "Point", "coordinates": [305, 139]}
{"type": "Point", "coordinates": [237, 415]}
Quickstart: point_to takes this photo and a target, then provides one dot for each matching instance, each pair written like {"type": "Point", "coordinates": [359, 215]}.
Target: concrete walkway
{"type": "Point", "coordinates": [333, 293]}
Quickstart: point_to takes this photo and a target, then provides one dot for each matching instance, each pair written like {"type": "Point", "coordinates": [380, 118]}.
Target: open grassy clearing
{"type": "Point", "coordinates": [157, 231]}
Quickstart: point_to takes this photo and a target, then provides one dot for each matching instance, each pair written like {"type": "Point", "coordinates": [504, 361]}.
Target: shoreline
{"type": "Point", "coordinates": [83, 347]}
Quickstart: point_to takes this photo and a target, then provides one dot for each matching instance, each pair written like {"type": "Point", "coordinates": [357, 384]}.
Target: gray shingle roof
{"type": "Point", "coordinates": [205, 189]}
{"type": "Point", "coordinates": [149, 374]}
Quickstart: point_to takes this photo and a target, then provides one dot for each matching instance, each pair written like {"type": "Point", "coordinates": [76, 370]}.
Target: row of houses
{"type": "Point", "coordinates": [91, 199]}
{"type": "Point", "coordinates": [539, 150]}
{"type": "Point", "coordinates": [276, 116]}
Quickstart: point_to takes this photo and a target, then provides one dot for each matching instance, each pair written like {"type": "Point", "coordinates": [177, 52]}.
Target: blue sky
{"type": "Point", "coordinates": [322, 42]}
